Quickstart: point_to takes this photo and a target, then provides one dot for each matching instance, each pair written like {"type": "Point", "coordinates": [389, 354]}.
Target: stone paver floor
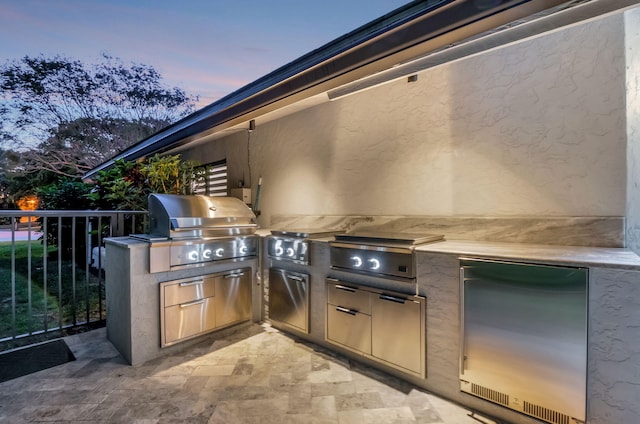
{"type": "Point", "coordinates": [249, 374]}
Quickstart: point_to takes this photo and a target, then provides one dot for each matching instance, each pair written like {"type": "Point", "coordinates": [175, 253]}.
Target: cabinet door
{"type": "Point", "coordinates": [233, 297]}
{"type": "Point", "coordinates": [397, 331]}
{"type": "Point", "coordinates": [289, 298]}
{"type": "Point", "coordinates": [188, 319]}
{"type": "Point", "coordinates": [349, 328]}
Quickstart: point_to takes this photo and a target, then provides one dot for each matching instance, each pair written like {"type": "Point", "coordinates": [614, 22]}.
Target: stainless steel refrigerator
{"type": "Point", "coordinates": [524, 337]}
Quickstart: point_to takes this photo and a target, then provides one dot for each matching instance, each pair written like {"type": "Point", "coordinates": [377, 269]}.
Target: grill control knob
{"type": "Point", "coordinates": [356, 261]}
{"type": "Point", "coordinates": [219, 252]}
{"type": "Point", "coordinates": [279, 251]}
{"type": "Point", "coordinates": [206, 254]}
{"type": "Point", "coordinates": [290, 252]}
{"type": "Point", "coordinates": [243, 250]}
{"type": "Point", "coordinates": [375, 264]}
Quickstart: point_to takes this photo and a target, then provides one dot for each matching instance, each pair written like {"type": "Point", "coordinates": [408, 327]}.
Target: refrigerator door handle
{"type": "Point", "coordinates": [462, 349]}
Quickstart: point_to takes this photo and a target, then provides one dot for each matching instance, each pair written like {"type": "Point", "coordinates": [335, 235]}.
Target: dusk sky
{"type": "Point", "coordinates": [206, 47]}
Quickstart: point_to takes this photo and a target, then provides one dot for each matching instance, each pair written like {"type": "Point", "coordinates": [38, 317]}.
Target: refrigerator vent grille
{"type": "Point", "coordinates": [545, 413]}
{"type": "Point", "coordinates": [490, 394]}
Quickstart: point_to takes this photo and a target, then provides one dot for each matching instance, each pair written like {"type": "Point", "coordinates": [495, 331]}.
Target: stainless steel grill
{"type": "Point", "coordinates": [187, 231]}
{"type": "Point", "coordinates": [378, 253]}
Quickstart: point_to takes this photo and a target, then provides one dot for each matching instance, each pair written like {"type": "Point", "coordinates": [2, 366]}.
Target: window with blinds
{"type": "Point", "coordinates": [214, 180]}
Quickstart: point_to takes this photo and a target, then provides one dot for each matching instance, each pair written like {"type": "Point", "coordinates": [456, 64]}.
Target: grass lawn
{"type": "Point", "coordinates": [40, 306]}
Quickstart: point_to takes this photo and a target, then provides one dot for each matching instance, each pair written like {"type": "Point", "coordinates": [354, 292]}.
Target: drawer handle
{"type": "Point", "coordinates": [345, 310]}
{"type": "Point", "coordinates": [294, 277]}
{"type": "Point", "coordinates": [345, 288]}
{"type": "Point", "coordinates": [195, 302]}
{"type": "Point", "coordinates": [392, 298]}
{"type": "Point", "coordinates": [239, 274]}
{"type": "Point", "coordinates": [191, 283]}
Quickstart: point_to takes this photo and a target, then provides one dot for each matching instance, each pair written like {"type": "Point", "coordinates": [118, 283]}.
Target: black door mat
{"type": "Point", "coordinates": [31, 359]}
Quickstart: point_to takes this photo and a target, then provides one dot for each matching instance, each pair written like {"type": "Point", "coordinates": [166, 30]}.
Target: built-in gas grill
{"type": "Point", "coordinates": [186, 231]}
{"type": "Point", "coordinates": [378, 253]}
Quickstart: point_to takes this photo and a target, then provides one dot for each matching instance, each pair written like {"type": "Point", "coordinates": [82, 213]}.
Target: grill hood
{"type": "Point", "coordinates": [179, 217]}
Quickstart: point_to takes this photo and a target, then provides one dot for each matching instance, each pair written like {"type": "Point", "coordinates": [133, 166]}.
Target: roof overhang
{"type": "Point", "coordinates": [417, 36]}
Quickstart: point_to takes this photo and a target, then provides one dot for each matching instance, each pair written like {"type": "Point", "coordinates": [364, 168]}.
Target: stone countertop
{"type": "Point", "coordinates": [538, 253]}
{"type": "Point", "coordinates": [125, 241]}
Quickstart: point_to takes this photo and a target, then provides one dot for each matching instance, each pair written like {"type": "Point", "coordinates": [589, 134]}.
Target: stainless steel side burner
{"type": "Point", "coordinates": [293, 244]}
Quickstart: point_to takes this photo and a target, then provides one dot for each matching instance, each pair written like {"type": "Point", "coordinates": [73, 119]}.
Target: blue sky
{"type": "Point", "coordinates": [209, 48]}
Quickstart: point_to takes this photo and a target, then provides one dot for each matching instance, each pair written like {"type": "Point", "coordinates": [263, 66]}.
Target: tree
{"type": "Point", "coordinates": [66, 117]}
{"type": "Point", "coordinates": [127, 185]}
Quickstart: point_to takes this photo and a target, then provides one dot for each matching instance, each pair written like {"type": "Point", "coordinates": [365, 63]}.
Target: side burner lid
{"type": "Point", "coordinates": [307, 233]}
{"type": "Point", "coordinates": [383, 238]}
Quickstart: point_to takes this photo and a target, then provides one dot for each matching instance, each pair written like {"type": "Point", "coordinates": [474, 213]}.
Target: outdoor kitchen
{"type": "Point", "coordinates": [382, 238]}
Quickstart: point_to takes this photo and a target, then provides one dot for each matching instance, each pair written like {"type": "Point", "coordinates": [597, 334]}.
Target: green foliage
{"type": "Point", "coordinates": [170, 175]}
{"type": "Point", "coordinates": [66, 193]}
{"type": "Point", "coordinates": [127, 185]}
{"type": "Point", "coordinates": [121, 187]}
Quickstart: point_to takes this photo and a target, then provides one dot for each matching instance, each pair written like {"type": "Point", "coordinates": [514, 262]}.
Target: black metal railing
{"type": "Point", "coordinates": [52, 273]}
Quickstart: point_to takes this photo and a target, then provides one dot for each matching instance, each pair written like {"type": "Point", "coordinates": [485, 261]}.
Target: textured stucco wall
{"type": "Point", "coordinates": [632, 46]}
{"type": "Point", "coordinates": [535, 128]}
{"type": "Point", "coordinates": [613, 381]}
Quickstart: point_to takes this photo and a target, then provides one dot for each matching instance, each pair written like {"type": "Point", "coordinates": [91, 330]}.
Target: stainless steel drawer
{"type": "Point", "coordinates": [188, 290]}
{"type": "Point", "coordinates": [349, 297]}
{"type": "Point", "coordinates": [349, 328]}
{"type": "Point", "coordinates": [188, 319]}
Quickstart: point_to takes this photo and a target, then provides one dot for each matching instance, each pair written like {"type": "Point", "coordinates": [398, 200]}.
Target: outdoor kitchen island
{"type": "Point", "coordinates": [611, 343]}
{"type": "Point", "coordinates": [192, 274]}
{"type": "Point", "coordinates": [613, 313]}
{"type": "Point", "coordinates": [133, 298]}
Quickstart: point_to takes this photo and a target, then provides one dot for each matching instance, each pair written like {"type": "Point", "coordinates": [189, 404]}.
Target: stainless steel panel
{"type": "Point", "coordinates": [233, 297]}
{"type": "Point", "coordinates": [188, 320]}
{"type": "Point", "coordinates": [349, 328]}
{"type": "Point", "coordinates": [203, 251]}
{"type": "Point", "coordinates": [524, 341]}
{"type": "Point", "coordinates": [290, 249]}
{"type": "Point", "coordinates": [397, 330]}
{"type": "Point", "coordinates": [348, 296]}
{"type": "Point", "coordinates": [374, 262]}
{"type": "Point", "coordinates": [188, 290]}
{"type": "Point", "coordinates": [289, 298]}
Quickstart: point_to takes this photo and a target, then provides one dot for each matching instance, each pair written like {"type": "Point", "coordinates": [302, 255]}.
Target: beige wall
{"type": "Point", "coordinates": [536, 128]}
{"type": "Point", "coordinates": [632, 41]}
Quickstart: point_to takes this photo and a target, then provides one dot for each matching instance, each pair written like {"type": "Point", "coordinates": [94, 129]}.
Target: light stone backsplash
{"type": "Point", "coordinates": [565, 231]}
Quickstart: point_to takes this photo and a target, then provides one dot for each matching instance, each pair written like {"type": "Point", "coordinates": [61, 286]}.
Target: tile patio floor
{"type": "Point", "coordinates": [248, 374]}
